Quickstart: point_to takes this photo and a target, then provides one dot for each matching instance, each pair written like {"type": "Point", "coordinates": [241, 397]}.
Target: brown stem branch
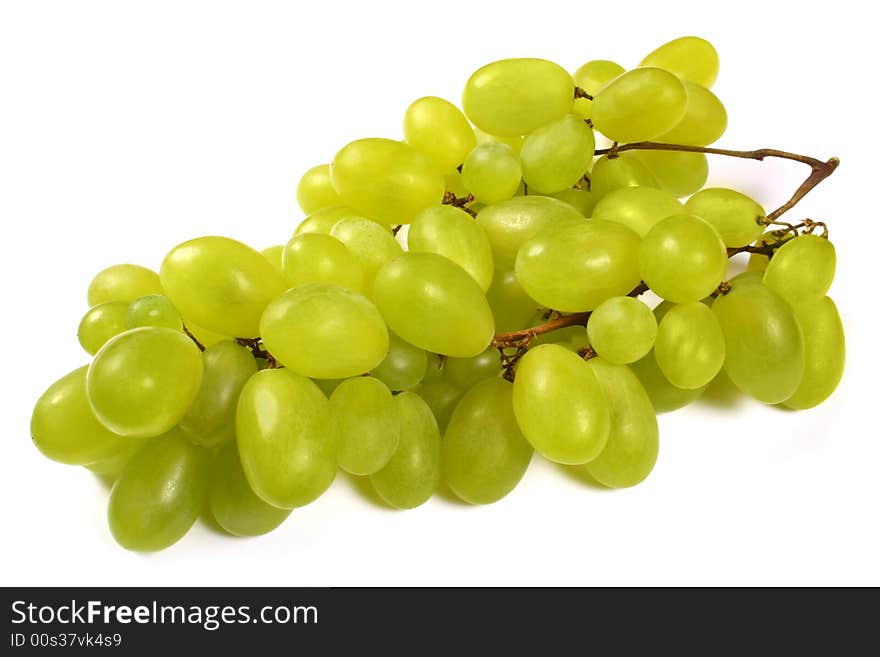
{"type": "Point", "coordinates": [193, 338]}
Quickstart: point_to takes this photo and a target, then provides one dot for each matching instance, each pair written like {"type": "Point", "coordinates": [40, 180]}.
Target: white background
{"type": "Point", "coordinates": [127, 127]}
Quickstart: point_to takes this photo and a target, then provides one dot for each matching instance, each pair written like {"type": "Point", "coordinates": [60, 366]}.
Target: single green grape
{"type": "Point", "coordinates": [410, 477]}
{"type": "Point", "coordinates": [758, 261]}
{"type": "Point", "coordinates": [559, 405]}
{"type": "Point", "coordinates": [802, 269]}
{"type": "Point", "coordinates": [100, 323]}
{"type": "Point", "coordinates": [324, 332]}
{"type": "Point", "coordinates": [484, 454]}
{"type": "Point", "coordinates": [372, 245]}
{"type": "Point", "coordinates": [316, 258]}
{"type": "Point", "coordinates": [404, 366]}
{"type": "Point", "coordinates": [581, 200]}
{"type": "Point", "coordinates": [704, 121]}
{"type": "Point", "coordinates": [323, 220]}
{"type": "Point", "coordinates": [153, 310]}
{"type": "Point", "coordinates": [690, 57]}
{"type": "Point", "coordinates": [143, 381]}
{"type": "Point", "coordinates": [591, 77]}
{"type": "Point", "coordinates": [123, 283]}
{"type": "Point", "coordinates": [492, 172]}
{"type": "Point", "coordinates": [679, 173]}
{"type": "Point", "coordinates": [736, 217]}
{"type": "Point", "coordinates": [639, 208]}
{"type": "Point", "coordinates": [437, 129]}
{"type": "Point", "coordinates": [435, 369]}
{"type": "Point", "coordinates": [315, 190]}
{"type": "Point", "coordinates": [285, 440]}
{"type": "Point", "coordinates": [622, 330]}
{"type": "Point", "coordinates": [557, 155]}
{"type": "Point", "coordinates": [441, 396]}
{"type": "Point", "coordinates": [467, 372]}
{"type": "Point", "coordinates": [111, 467]}
{"type": "Point", "coordinates": [664, 396]}
{"type": "Point", "coordinates": [273, 255]}
{"type": "Point", "coordinates": [514, 141]}
{"type": "Point", "coordinates": [690, 345]}
{"type": "Point", "coordinates": [612, 173]}
{"type": "Point", "coordinates": [824, 352]}
{"type": "Point", "coordinates": [366, 425]}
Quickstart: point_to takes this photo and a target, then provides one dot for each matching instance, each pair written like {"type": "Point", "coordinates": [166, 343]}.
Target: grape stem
{"type": "Point", "coordinates": [193, 338]}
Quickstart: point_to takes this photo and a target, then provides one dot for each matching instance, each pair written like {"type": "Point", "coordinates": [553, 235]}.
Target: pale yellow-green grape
{"type": "Point", "coordinates": [512, 97]}
{"type": "Point", "coordinates": [455, 184]}
{"type": "Point", "coordinates": [410, 477]}
{"type": "Point", "coordinates": [683, 258]}
{"type": "Point", "coordinates": [802, 269]}
{"type": "Point", "coordinates": [452, 232]}
{"type": "Point", "coordinates": [210, 419]}
{"type": "Point", "coordinates": [578, 339]}
{"type": "Point", "coordinates": [123, 283]}
{"type": "Point", "coordinates": [273, 255]}
{"type": "Point", "coordinates": [366, 425]}
{"type": "Point", "coordinates": [372, 244]}
{"type": "Point", "coordinates": [324, 332]}
{"type": "Point", "coordinates": [690, 345]}
{"type": "Point", "coordinates": [153, 310]}
{"type": "Point", "coordinates": [441, 396]}
{"type": "Point", "coordinates": [404, 366]}
{"type": "Point", "coordinates": [386, 180]}
{"type": "Point", "coordinates": [679, 173]}
{"type": "Point", "coordinates": [559, 405]}
{"type": "Point", "coordinates": [492, 172]}
{"type": "Point", "coordinates": [515, 141]}
{"type": "Point", "coordinates": [824, 352]}
{"type": "Point", "coordinates": [511, 307]}
{"type": "Point", "coordinates": [691, 57]}
{"type": "Point", "coordinates": [220, 284]}
{"type": "Point", "coordinates": [437, 128]}
{"type": "Point", "coordinates": [315, 190]}
{"type": "Point", "coordinates": [316, 258]}
{"type": "Point", "coordinates": [285, 440]}
{"type": "Point", "coordinates": [431, 302]}
{"type": "Point", "coordinates": [612, 173]}
{"type": "Point", "coordinates": [763, 341]}
{"type": "Point", "coordinates": [581, 200]}
{"type": "Point", "coordinates": [111, 467]}
{"type": "Point", "coordinates": [639, 105]}
{"type": "Point", "coordinates": [159, 495]}
{"type": "Point", "coordinates": [466, 372]}
{"type": "Point", "coordinates": [622, 330]}
{"type": "Point", "coordinates": [664, 396]}
{"type": "Point", "coordinates": [757, 261]}
{"type": "Point", "coordinates": [232, 501]}
{"type": "Point", "coordinates": [143, 381]}
{"type": "Point", "coordinates": [323, 220]}
{"type": "Point", "coordinates": [100, 323]}
{"type": "Point", "coordinates": [557, 155]}
{"type": "Point", "coordinates": [704, 121]}
{"type": "Point", "coordinates": [735, 216]}
{"type": "Point", "coordinates": [633, 436]}
{"type": "Point", "coordinates": [64, 427]}
{"type": "Point", "coordinates": [639, 208]}
{"type": "Point", "coordinates": [511, 223]}
{"type": "Point", "coordinates": [205, 337]}
{"type": "Point", "coordinates": [484, 454]}
{"type": "Point", "coordinates": [591, 77]}
{"type": "Point", "coordinates": [578, 266]}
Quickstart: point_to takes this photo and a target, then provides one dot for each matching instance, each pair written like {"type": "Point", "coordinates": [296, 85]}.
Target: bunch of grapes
{"type": "Point", "coordinates": [452, 303]}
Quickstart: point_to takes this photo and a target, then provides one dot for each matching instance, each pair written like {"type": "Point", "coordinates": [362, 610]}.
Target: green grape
{"type": "Point", "coordinates": [591, 77]}
{"type": "Point", "coordinates": [639, 208]}
{"type": "Point", "coordinates": [437, 129]}
{"type": "Point", "coordinates": [453, 233]}
{"type": "Point", "coordinates": [365, 424]}
{"type": "Point", "coordinates": [232, 501]}
{"type": "Point", "coordinates": [324, 332]}
{"type": "Point", "coordinates": [679, 173]}
{"type": "Point", "coordinates": [512, 97]}
{"type": "Point", "coordinates": [403, 367]}
{"type": "Point", "coordinates": [386, 180]}
{"type": "Point", "coordinates": [515, 141]}
{"type": "Point", "coordinates": [704, 121]}
{"type": "Point", "coordinates": [578, 266]}
{"type": "Point", "coordinates": [639, 105]}
{"type": "Point", "coordinates": [123, 283]}
{"type": "Point", "coordinates": [492, 172]}
{"type": "Point", "coordinates": [683, 258]}
{"type": "Point", "coordinates": [612, 173]}
{"type": "Point", "coordinates": [556, 155]}
{"type": "Point", "coordinates": [316, 258]}
{"type": "Point", "coordinates": [664, 396]}
{"type": "Point", "coordinates": [578, 339]}
{"type": "Point", "coordinates": [484, 454]}
{"type": "Point", "coordinates": [633, 436]}
{"type": "Point", "coordinates": [690, 345]}
{"type": "Point", "coordinates": [143, 381]}
{"type": "Point", "coordinates": [431, 302]}
{"type": "Point", "coordinates": [466, 372]}
{"type": "Point", "coordinates": [690, 57]}
{"type": "Point", "coordinates": [111, 467]}
{"type": "Point", "coordinates": [64, 427]}
{"type": "Point", "coordinates": [559, 405]}
{"type": "Point", "coordinates": [205, 337]}
{"type": "Point", "coordinates": [735, 216]}
{"type": "Point", "coordinates": [287, 450]}
{"type": "Point", "coordinates": [757, 261]}
{"type": "Point", "coordinates": [435, 369]}
{"type": "Point", "coordinates": [802, 269]}
{"type": "Point", "coordinates": [159, 495]}
{"type": "Point", "coordinates": [580, 199]}
{"type": "Point", "coordinates": [315, 190]}
{"type": "Point", "coordinates": [764, 344]}
{"type": "Point", "coordinates": [273, 255]}
{"type": "Point", "coordinates": [153, 310]}
{"type": "Point", "coordinates": [220, 284]}
{"type": "Point", "coordinates": [455, 184]}
{"type": "Point", "coordinates": [622, 330]}
{"type": "Point", "coordinates": [372, 245]}
{"type": "Point", "coordinates": [824, 352]}
{"type": "Point", "coordinates": [511, 223]}
{"type": "Point", "coordinates": [100, 323]}
{"type": "Point", "coordinates": [441, 396]}
{"type": "Point", "coordinates": [324, 220]}
{"type": "Point", "coordinates": [410, 477]}
{"type": "Point", "coordinates": [210, 419]}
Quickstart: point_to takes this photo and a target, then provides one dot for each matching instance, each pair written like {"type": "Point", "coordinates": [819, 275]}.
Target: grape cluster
{"type": "Point", "coordinates": [240, 381]}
